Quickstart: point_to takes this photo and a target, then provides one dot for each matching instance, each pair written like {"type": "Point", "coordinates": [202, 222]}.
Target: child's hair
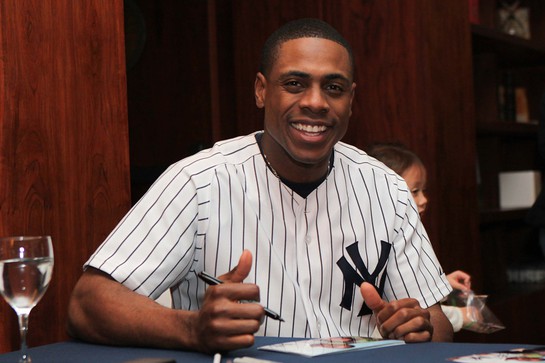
{"type": "Point", "coordinates": [396, 156]}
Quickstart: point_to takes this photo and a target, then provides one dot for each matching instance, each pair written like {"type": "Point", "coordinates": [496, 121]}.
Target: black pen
{"type": "Point", "coordinates": [211, 280]}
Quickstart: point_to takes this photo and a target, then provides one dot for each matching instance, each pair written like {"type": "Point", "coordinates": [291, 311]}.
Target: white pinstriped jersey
{"type": "Point", "coordinates": [205, 209]}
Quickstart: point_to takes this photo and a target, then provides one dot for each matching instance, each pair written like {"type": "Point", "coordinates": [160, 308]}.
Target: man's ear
{"type": "Point", "coordinates": [259, 89]}
{"type": "Point", "coordinates": [352, 92]}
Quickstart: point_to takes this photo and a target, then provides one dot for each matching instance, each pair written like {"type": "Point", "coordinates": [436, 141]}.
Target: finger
{"type": "Point", "coordinates": [464, 278]}
{"type": "Point", "coordinates": [408, 323]}
{"type": "Point", "coordinates": [242, 320]}
{"type": "Point", "coordinates": [465, 275]}
{"type": "Point", "coordinates": [459, 280]}
{"type": "Point", "coordinates": [458, 286]}
{"type": "Point", "coordinates": [415, 330]}
{"type": "Point", "coordinates": [241, 271]}
{"type": "Point", "coordinates": [228, 343]}
{"type": "Point", "coordinates": [461, 276]}
{"type": "Point", "coordinates": [371, 297]}
{"type": "Point", "coordinates": [226, 325]}
{"type": "Point", "coordinates": [467, 282]}
{"type": "Point", "coordinates": [214, 341]}
{"type": "Point", "coordinates": [418, 337]}
{"type": "Point", "coordinates": [233, 292]}
{"type": "Point", "coordinates": [246, 307]}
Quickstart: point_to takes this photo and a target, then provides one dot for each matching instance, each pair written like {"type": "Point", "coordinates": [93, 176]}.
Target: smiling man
{"type": "Point", "coordinates": [290, 216]}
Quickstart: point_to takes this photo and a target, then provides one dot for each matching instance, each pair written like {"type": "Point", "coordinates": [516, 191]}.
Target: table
{"type": "Point", "coordinates": [79, 352]}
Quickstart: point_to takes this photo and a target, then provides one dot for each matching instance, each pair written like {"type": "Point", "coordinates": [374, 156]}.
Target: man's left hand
{"type": "Point", "coordinates": [400, 319]}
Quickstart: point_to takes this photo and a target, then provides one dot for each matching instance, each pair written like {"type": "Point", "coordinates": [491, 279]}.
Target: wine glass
{"type": "Point", "coordinates": [26, 265]}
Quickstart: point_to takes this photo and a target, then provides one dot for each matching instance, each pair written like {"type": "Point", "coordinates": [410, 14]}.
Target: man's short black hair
{"type": "Point", "coordinates": [296, 29]}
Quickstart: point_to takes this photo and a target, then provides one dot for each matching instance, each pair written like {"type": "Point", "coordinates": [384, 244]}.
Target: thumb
{"type": "Point", "coordinates": [371, 297]}
{"type": "Point", "coordinates": [240, 271]}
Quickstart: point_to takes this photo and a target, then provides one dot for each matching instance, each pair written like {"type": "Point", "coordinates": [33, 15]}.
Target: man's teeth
{"type": "Point", "coordinates": [310, 128]}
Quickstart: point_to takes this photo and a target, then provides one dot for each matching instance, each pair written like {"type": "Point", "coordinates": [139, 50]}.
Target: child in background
{"type": "Point", "coordinates": [409, 166]}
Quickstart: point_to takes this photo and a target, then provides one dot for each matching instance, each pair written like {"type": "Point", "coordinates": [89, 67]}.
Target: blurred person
{"type": "Point", "coordinates": [409, 166]}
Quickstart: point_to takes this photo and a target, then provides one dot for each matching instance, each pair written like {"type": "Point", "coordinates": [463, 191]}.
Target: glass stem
{"type": "Point", "coordinates": [23, 329]}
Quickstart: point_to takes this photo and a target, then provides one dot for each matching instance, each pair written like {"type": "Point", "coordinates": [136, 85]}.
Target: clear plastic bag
{"type": "Point", "coordinates": [478, 317]}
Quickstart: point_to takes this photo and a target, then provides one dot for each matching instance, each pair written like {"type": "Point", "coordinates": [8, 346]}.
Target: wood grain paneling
{"type": "Point", "coordinates": [64, 165]}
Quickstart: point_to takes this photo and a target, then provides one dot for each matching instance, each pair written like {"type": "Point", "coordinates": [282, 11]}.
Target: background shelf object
{"type": "Point", "coordinates": [519, 189]}
{"type": "Point", "coordinates": [512, 51]}
{"type": "Point", "coordinates": [507, 242]}
{"type": "Point", "coordinates": [489, 216]}
{"type": "Point", "coordinates": [533, 274]}
{"type": "Point", "coordinates": [508, 129]}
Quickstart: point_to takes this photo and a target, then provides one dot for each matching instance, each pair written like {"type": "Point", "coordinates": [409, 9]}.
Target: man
{"type": "Point", "coordinates": [300, 217]}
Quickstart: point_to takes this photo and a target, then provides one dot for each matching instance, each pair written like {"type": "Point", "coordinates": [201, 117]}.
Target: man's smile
{"type": "Point", "coordinates": [311, 129]}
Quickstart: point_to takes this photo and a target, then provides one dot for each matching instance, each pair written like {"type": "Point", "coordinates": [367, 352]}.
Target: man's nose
{"type": "Point", "coordinates": [314, 100]}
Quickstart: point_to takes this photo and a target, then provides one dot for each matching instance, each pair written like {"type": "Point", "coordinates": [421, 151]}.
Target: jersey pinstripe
{"type": "Point", "coordinates": [206, 209]}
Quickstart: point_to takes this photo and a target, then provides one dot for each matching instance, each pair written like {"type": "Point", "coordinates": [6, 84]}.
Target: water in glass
{"type": "Point", "coordinates": [26, 265]}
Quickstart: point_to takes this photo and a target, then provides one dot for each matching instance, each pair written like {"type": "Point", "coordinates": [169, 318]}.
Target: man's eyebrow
{"type": "Point", "coordinates": [300, 74]}
{"type": "Point", "coordinates": [334, 76]}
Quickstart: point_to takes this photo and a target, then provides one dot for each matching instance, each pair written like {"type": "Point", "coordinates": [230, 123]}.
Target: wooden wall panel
{"type": "Point", "coordinates": [64, 165]}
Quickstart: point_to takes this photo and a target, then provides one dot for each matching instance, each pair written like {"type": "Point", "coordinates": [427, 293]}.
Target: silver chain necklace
{"type": "Point", "coordinates": [268, 163]}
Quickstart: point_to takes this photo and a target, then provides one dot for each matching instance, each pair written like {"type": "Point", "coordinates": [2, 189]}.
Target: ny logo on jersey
{"type": "Point", "coordinates": [351, 276]}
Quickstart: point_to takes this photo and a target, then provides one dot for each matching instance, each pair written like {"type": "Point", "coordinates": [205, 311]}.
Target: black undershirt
{"type": "Point", "coordinates": [302, 189]}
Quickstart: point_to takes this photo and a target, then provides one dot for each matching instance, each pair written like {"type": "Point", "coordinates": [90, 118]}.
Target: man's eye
{"type": "Point", "coordinates": [415, 191]}
{"type": "Point", "coordinates": [293, 86]}
{"type": "Point", "coordinates": [334, 89]}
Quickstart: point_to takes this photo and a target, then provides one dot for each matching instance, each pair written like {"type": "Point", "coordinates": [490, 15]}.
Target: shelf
{"type": "Point", "coordinates": [489, 216]}
{"type": "Point", "coordinates": [511, 50]}
{"type": "Point", "coordinates": [507, 241]}
{"type": "Point", "coordinates": [512, 290]}
{"type": "Point", "coordinates": [510, 129]}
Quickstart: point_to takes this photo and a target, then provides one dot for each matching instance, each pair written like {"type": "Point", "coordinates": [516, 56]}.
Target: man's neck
{"type": "Point", "coordinates": [302, 188]}
{"type": "Point", "coordinates": [289, 169]}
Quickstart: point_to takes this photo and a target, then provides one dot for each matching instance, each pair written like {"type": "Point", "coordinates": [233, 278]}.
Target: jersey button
{"type": "Point", "coordinates": [308, 240]}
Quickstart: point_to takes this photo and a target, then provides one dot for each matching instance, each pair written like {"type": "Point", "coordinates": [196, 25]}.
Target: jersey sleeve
{"type": "Point", "coordinates": [154, 244]}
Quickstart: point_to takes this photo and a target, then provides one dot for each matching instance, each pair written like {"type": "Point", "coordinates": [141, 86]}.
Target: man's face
{"type": "Point", "coordinates": [307, 97]}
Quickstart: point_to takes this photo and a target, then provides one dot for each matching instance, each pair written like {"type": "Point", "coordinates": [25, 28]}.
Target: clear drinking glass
{"type": "Point", "coordinates": [26, 265]}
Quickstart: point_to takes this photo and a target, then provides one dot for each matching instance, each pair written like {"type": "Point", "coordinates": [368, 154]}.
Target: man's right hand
{"type": "Point", "coordinates": [223, 323]}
